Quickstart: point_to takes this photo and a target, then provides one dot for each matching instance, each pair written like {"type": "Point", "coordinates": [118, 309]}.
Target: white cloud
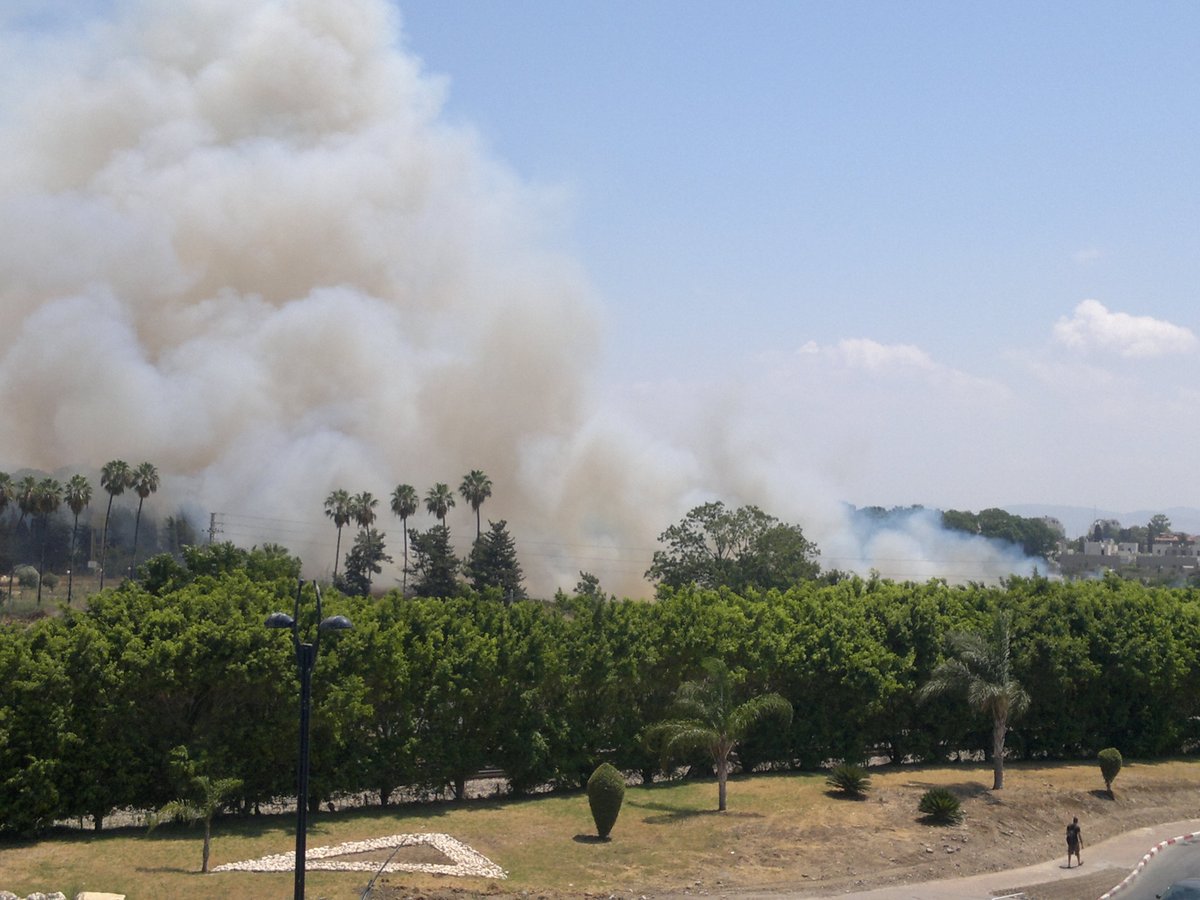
{"type": "Point", "coordinates": [900, 361]}
{"type": "Point", "coordinates": [1086, 255]}
{"type": "Point", "coordinates": [1094, 327]}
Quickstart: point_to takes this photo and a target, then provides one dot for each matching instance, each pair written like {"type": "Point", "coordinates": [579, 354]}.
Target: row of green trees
{"type": "Point", "coordinates": [491, 565]}
{"type": "Point", "coordinates": [422, 693]}
{"type": "Point", "coordinates": [42, 498]}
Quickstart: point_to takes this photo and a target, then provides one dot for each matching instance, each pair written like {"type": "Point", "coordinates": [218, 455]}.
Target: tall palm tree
{"type": "Point", "coordinates": [439, 501]}
{"type": "Point", "coordinates": [337, 507]}
{"type": "Point", "coordinates": [707, 718]}
{"type": "Point", "coordinates": [362, 507]}
{"type": "Point", "coordinates": [47, 500]}
{"type": "Point", "coordinates": [115, 476]}
{"type": "Point", "coordinates": [475, 488]}
{"type": "Point", "coordinates": [981, 669]}
{"type": "Point", "coordinates": [144, 481]}
{"type": "Point", "coordinates": [23, 494]}
{"type": "Point", "coordinates": [404, 504]}
{"type": "Point", "coordinates": [77, 495]}
{"type": "Point", "coordinates": [7, 493]}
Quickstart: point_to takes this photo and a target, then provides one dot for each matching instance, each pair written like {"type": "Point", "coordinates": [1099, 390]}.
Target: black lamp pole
{"type": "Point", "coordinates": [306, 661]}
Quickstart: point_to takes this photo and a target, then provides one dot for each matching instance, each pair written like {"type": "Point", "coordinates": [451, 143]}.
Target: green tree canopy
{"type": "Point", "coordinates": [741, 549]}
{"type": "Point", "coordinates": [364, 560]}
{"type": "Point", "coordinates": [493, 563]}
{"type": "Point", "coordinates": [434, 563]}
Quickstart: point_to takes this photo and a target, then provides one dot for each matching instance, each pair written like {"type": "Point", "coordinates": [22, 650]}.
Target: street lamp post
{"type": "Point", "coordinates": [306, 661]}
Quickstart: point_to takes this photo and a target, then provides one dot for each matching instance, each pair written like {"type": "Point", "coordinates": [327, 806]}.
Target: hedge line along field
{"type": "Point", "coordinates": [101, 704]}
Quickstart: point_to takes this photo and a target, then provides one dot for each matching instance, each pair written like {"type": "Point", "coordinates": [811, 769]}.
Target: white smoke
{"type": "Point", "coordinates": [238, 240]}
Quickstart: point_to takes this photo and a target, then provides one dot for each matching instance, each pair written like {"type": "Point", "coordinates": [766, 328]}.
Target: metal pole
{"type": "Point", "coordinates": [306, 657]}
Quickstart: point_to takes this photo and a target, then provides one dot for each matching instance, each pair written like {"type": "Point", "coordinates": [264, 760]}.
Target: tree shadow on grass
{"type": "Point", "coordinates": [675, 813]}
{"type": "Point", "coordinates": [591, 839]}
{"type": "Point", "coordinates": [1102, 795]}
{"type": "Point", "coordinates": [835, 794]}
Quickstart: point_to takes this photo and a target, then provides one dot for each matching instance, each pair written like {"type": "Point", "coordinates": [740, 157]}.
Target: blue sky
{"type": "Point", "coordinates": [742, 180]}
{"type": "Point", "coordinates": [747, 176]}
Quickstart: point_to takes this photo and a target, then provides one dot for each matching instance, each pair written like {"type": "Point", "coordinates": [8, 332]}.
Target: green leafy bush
{"type": "Point", "coordinates": [853, 781]}
{"type": "Point", "coordinates": [27, 576]}
{"type": "Point", "coordinates": [940, 806]}
{"type": "Point", "coordinates": [1110, 766]}
{"type": "Point", "coordinates": [606, 792]}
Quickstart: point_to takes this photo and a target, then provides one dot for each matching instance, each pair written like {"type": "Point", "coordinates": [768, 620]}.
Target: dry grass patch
{"type": "Point", "coordinates": [782, 831]}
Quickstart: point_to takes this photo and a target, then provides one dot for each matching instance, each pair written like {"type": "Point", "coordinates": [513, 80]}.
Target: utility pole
{"type": "Point", "coordinates": [213, 528]}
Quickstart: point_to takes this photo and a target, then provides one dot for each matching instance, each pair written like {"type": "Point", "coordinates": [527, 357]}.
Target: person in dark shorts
{"type": "Point", "coordinates": [1074, 841]}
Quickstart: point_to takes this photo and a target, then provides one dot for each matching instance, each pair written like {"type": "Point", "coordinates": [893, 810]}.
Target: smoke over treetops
{"type": "Point", "coordinates": [238, 240]}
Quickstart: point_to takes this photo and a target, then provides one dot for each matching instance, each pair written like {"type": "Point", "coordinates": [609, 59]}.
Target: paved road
{"type": "Point", "coordinates": [1171, 864]}
{"type": "Point", "coordinates": [1120, 854]}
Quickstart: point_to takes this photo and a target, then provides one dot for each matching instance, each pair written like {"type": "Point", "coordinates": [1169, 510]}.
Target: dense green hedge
{"type": "Point", "coordinates": [423, 693]}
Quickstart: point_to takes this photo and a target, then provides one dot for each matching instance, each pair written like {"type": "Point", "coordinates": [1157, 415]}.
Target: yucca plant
{"type": "Point", "coordinates": [940, 806]}
{"type": "Point", "coordinates": [850, 780]}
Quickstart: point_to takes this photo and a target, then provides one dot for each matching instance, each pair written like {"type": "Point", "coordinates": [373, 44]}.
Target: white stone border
{"type": "Point", "coordinates": [467, 862]}
{"type": "Point", "coordinates": [1154, 851]}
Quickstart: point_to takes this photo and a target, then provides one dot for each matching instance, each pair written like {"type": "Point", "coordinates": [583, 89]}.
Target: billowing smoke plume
{"type": "Point", "coordinates": [238, 240]}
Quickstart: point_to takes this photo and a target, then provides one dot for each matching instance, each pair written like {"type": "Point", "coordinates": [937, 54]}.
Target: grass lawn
{"type": "Point", "coordinates": [781, 830]}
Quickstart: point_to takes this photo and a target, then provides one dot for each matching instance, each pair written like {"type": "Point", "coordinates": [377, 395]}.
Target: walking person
{"type": "Point", "coordinates": [1074, 841]}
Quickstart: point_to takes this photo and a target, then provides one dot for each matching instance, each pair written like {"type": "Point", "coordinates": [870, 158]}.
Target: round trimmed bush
{"type": "Point", "coordinates": [853, 781]}
{"type": "Point", "coordinates": [27, 576]}
{"type": "Point", "coordinates": [1110, 766]}
{"type": "Point", "coordinates": [606, 793]}
{"type": "Point", "coordinates": [941, 806]}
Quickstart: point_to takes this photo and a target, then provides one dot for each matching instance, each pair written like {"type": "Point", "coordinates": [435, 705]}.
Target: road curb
{"type": "Point", "coordinates": [1154, 851]}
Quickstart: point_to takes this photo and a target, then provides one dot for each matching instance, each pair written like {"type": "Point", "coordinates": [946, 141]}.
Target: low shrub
{"type": "Point", "coordinates": [940, 806]}
{"type": "Point", "coordinates": [27, 576]}
{"type": "Point", "coordinates": [1110, 766]}
{"type": "Point", "coordinates": [606, 793]}
{"type": "Point", "coordinates": [853, 781]}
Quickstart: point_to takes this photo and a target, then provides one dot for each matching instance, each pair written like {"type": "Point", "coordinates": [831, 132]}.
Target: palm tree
{"type": "Point", "coordinates": [980, 668]}
{"type": "Point", "coordinates": [337, 507]}
{"type": "Point", "coordinates": [439, 501]}
{"type": "Point", "coordinates": [404, 504]}
{"type": "Point", "coordinates": [212, 794]}
{"type": "Point", "coordinates": [475, 488]}
{"type": "Point", "coordinates": [47, 500]}
{"type": "Point", "coordinates": [706, 718]}
{"type": "Point", "coordinates": [77, 496]}
{"type": "Point", "coordinates": [362, 508]}
{"type": "Point", "coordinates": [144, 481]}
{"type": "Point", "coordinates": [25, 494]}
{"type": "Point", "coordinates": [7, 493]}
{"type": "Point", "coordinates": [115, 476]}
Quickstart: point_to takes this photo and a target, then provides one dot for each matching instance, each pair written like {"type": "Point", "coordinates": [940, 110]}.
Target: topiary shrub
{"type": "Point", "coordinates": [27, 576]}
{"type": "Point", "coordinates": [606, 792]}
{"type": "Point", "coordinates": [50, 581]}
{"type": "Point", "coordinates": [1110, 765]}
{"type": "Point", "coordinates": [940, 806]}
{"type": "Point", "coordinates": [852, 781]}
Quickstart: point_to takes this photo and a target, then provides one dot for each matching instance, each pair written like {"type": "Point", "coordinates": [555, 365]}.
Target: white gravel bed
{"type": "Point", "coordinates": [466, 861]}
